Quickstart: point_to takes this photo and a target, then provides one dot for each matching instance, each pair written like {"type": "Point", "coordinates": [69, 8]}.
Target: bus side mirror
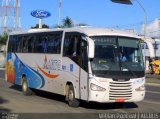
{"type": "Point", "coordinates": [91, 48]}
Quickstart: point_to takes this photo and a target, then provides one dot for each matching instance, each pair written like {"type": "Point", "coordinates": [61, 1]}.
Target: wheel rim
{"type": "Point", "coordinates": [24, 86]}
{"type": "Point", "coordinates": [70, 95]}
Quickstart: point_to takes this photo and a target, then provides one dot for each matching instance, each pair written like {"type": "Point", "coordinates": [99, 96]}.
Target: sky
{"type": "Point", "coordinates": [99, 13]}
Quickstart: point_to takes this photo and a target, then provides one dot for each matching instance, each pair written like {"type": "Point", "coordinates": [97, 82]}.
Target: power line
{"type": "Point", "coordinates": [154, 31]}
{"type": "Point", "coordinates": [137, 24]}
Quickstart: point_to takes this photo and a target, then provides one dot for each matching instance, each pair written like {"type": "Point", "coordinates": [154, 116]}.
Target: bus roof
{"type": "Point", "coordinates": [89, 31]}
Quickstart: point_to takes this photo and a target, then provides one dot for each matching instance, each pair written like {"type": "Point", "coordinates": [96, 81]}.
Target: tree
{"type": "Point", "coordinates": [37, 26]}
{"type": "Point", "coordinates": [4, 38]}
{"type": "Point", "coordinates": [67, 22]}
{"type": "Point", "coordinates": [57, 26]}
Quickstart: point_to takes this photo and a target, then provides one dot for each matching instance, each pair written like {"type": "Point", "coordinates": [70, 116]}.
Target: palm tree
{"type": "Point", "coordinates": [67, 22]}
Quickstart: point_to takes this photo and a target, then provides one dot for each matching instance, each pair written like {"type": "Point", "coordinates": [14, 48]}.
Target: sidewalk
{"type": "Point", "coordinates": [153, 81]}
{"type": "Point", "coordinates": [2, 68]}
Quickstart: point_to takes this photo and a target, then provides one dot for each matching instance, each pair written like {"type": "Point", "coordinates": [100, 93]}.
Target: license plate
{"type": "Point", "coordinates": [119, 100]}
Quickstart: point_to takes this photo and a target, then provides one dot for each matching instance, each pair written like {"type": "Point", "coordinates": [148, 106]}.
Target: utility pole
{"type": "Point", "coordinates": [9, 15]}
{"type": "Point", "coordinates": [145, 17]}
{"type": "Point", "coordinates": [141, 6]}
{"type": "Point", "coordinates": [59, 11]}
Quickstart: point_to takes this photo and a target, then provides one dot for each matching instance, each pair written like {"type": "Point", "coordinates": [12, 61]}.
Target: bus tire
{"type": "Point", "coordinates": [25, 89]}
{"type": "Point", "coordinates": [72, 101]}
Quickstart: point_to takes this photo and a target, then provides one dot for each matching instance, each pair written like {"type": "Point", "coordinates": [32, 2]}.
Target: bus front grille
{"type": "Point", "coordinates": [120, 90]}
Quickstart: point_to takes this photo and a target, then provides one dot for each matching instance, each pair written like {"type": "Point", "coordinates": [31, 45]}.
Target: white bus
{"type": "Point", "coordinates": [82, 63]}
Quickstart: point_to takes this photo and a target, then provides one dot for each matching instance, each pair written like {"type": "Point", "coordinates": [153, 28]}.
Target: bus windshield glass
{"type": "Point", "coordinates": [117, 57]}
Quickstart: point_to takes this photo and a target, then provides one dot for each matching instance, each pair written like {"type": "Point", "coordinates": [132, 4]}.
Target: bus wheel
{"type": "Point", "coordinates": [25, 89]}
{"type": "Point", "coordinates": [71, 97]}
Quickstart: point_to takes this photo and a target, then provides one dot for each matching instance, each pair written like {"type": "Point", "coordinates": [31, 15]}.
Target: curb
{"type": "Point", "coordinates": [2, 68]}
{"type": "Point", "coordinates": [152, 84]}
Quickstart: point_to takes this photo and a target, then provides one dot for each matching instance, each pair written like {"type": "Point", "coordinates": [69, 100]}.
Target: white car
{"type": "Point", "coordinates": [2, 60]}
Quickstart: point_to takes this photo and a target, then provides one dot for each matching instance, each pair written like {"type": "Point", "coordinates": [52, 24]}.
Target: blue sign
{"type": "Point", "coordinates": [63, 68]}
{"type": "Point", "coordinates": [40, 14]}
{"type": "Point", "coordinates": [71, 67]}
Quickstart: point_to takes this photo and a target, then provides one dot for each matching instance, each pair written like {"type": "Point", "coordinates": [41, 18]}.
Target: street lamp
{"type": "Point", "coordinates": [139, 3]}
{"type": "Point", "coordinates": [122, 1]}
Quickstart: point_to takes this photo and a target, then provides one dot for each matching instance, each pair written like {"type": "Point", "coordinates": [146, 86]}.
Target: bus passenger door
{"type": "Point", "coordinates": [83, 71]}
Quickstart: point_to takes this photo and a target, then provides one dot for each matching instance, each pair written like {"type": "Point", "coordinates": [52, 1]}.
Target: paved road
{"type": "Point", "coordinates": [12, 101]}
{"type": "Point", "coordinates": [153, 76]}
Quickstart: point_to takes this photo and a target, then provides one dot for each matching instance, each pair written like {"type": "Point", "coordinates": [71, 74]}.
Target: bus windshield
{"type": "Point", "coordinates": [117, 57]}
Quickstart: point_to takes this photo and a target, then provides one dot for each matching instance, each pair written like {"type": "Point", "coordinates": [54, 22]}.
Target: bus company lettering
{"type": "Point", "coordinates": [41, 14]}
{"type": "Point", "coordinates": [52, 64]}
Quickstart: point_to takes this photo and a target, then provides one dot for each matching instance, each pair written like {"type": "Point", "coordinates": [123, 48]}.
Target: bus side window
{"type": "Point", "coordinates": [57, 46]}
{"type": "Point", "coordinates": [16, 43]}
{"type": "Point", "coordinates": [44, 44]}
{"type": "Point", "coordinates": [67, 50]}
{"type": "Point", "coordinates": [54, 43]}
{"type": "Point", "coordinates": [38, 44]}
{"type": "Point", "coordinates": [84, 55]}
{"type": "Point", "coordinates": [31, 44]}
{"type": "Point", "coordinates": [10, 43]}
{"type": "Point", "coordinates": [25, 45]}
{"type": "Point", "coordinates": [72, 47]}
{"type": "Point", "coordinates": [50, 46]}
{"type": "Point", "coordinates": [19, 47]}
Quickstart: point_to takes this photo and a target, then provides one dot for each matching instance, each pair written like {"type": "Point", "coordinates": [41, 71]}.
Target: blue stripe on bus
{"type": "Point", "coordinates": [34, 78]}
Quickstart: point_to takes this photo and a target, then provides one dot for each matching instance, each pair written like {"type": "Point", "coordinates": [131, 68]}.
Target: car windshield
{"type": "Point", "coordinates": [117, 56]}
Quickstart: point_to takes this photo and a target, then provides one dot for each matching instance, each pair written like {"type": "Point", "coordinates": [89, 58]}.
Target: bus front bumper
{"type": "Point", "coordinates": [107, 96]}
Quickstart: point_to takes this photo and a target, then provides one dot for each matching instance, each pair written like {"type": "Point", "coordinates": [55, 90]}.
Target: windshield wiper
{"type": "Point", "coordinates": [128, 69]}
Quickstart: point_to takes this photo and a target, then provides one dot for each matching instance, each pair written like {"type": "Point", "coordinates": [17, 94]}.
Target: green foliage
{"type": "Point", "coordinates": [81, 24]}
{"type": "Point", "coordinates": [57, 26]}
{"type": "Point", "coordinates": [37, 26]}
{"type": "Point", "coordinates": [4, 38]}
{"type": "Point", "coordinates": [67, 22]}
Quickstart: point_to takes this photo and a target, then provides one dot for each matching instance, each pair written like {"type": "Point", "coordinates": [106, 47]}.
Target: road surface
{"type": "Point", "coordinates": [12, 101]}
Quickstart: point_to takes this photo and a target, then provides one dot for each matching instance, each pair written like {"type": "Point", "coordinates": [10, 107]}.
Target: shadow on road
{"type": "Point", "coordinates": [3, 100]}
{"type": "Point", "coordinates": [49, 95]}
{"type": "Point", "coordinates": [107, 106]}
{"type": "Point", "coordinates": [90, 105]}
{"type": "Point", "coordinates": [16, 87]}
{"type": "Point", "coordinates": [41, 93]}
{"type": "Point", "coordinates": [2, 109]}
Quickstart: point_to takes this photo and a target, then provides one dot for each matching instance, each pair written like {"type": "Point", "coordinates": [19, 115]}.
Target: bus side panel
{"type": "Point", "coordinates": [16, 69]}
{"type": "Point", "coordinates": [71, 74]}
{"type": "Point", "coordinates": [44, 72]}
{"type": "Point", "coordinates": [10, 68]}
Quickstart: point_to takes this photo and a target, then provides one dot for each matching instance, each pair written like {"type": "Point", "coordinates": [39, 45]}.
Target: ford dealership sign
{"type": "Point", "coordinates": [40, 14]}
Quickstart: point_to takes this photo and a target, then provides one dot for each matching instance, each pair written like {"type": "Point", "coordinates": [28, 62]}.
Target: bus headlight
{"type": "Point", "coordinates": [96, 88]}
{"type": "Point", "coordinates": [141, 88]}
{"type": "Point", "coordinates": [139, 82]}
